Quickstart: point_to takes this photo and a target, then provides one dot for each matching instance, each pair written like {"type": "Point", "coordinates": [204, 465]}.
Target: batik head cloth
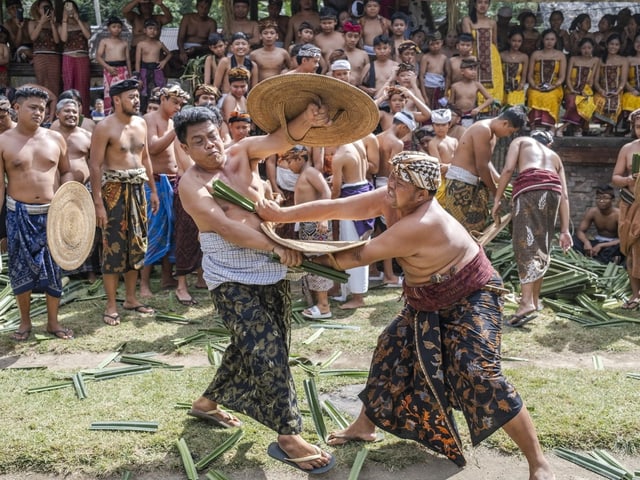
{"type": "Point", "coordinates": [417, 168]}
{"type": "Point", "coordinates": [174, 91]}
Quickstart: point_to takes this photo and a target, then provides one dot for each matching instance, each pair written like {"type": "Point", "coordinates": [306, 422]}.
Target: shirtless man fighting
{"type": "Point", "coordinates": [428, 355]}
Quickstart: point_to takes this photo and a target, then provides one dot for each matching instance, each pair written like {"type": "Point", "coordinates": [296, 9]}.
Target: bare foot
{"type": "Point", "coordinates": [543, 472]}
{"type": "Point", "coordinates": [350, 434]}
{"type": "Point", "coordinates": [296, 447]}
{"type": "Point", "coordinates": [352, 304]}
{"type": "Point", "coordinates": [145, 292]}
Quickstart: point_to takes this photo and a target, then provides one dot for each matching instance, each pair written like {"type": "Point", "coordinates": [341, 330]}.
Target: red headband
{"type": "Point", "coordinates": [350, 27]}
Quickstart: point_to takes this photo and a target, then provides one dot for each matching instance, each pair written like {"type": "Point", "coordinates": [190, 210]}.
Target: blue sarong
{"type": "Point", "coordinates": [160, 227]}
{"type": "Point", "coordinates": [31, 267]}
{"type": "Point", "coordinates": [349, 190]}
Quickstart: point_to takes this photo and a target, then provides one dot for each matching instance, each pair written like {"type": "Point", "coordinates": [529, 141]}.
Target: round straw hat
{"type": "Point", "coordinates": [71, 225]}
{"type": "Point", "coordinates": [284, 97]}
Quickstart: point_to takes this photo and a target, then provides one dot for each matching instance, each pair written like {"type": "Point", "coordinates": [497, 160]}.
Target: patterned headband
{"type": "Point", "coordinates": [238, 73]}
{"type": "Point", "coordinates": [417, 168]}
{"type": "Point", "coordinates": [174, 91]}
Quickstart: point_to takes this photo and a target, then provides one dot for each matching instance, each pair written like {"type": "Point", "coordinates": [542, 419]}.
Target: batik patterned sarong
{"type": "Point", "coordinates": [428, 363]}
{"type": "Point", "coordinates": [122, 73]}
{"type": "Point", "coordinates": [309, 231]}
{"type": "Point", "coordinates": [629, 232]}
{"type": "Point", "coordinates": [160, 226]}
{"type": "Point", "coordinates": [512, 78]}
{"type": "Point", "coordinates": [31, 267]}
{"type": "Point", "coordinates": [535, 209]}
{"type": "Point", "coordinates": [469, 204]}
{"type": "Point", "coordinates": [545, 106]}
{"type": "Point", "coordinates": [631, 100]}
{"type": "Point", "coordinates": [579, 108]}
{"type": "Point", "coordinates": [608, 109]}
{"type": "Point", "coordinates": [151, 77]}
{"type": "Point", "coordinates": [254, 376]}
{"type": "Point", "coordinates": [188, 252]}
{"type": "Point", "coordinates": [490, 64]}
{"type": "Point", "coordinates": [124, 239]}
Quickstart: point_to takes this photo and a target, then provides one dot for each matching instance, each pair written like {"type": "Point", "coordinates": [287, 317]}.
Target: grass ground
{"type": "Point", "coordinates": [573, 404]}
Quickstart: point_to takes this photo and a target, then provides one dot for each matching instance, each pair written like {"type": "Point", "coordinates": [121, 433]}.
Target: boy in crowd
{"type": "Point", "coordinates": [113, 55]}
{"type": "Point", "coordinates": [358, 58]}
{"type": "Point", "coordinates": [239, 48]}
{"type": "Point", "coordinates": [329, 39]}
{"type": "Point", "coordinates": [605, 245]}
{"type": "Point", "coordinates": [435, 72]}
{"type": "Point", "coordinates": [270, 59]}
{"type": "Point", "coordinates": [236, 100]}
{"type": "Point", "coordinates": [381, 70]}
{"type": "Point", "coordinates": [149, 60]}
{"type": "Point", "coordinates": [442, 146]}
{"type": "Point", "coordinates": [464, 94]}
{"type": "Point", "coordinates": [464, 46]}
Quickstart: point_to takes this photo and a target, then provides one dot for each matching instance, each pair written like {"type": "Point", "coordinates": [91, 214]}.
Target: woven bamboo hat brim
{"type": "Point", "coordinates": [353, 113]}
{"type": "Point", "coordinates": [71, 225]}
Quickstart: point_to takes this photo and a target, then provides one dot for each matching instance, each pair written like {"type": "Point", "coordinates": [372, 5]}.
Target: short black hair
{"type": "Point", "coordinates": [72, 93]}
{"type": "Point", "coordinates": [23, 93]}
{"type": "Point", "coordinates": [465, 37]}
{"type": "Point", "coordinates": [606, 190]}
{"type": "Point", "coordinates": [516, 116]}
{"type": "Point", "coordinates": [381, 40]}
{"type": "Point", "coordinates": [191, 116]}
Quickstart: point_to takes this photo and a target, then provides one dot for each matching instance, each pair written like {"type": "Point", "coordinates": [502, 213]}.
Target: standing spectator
{"type": "Point", "coordinates": [328, 39]}
{"type": "Point", "coordinates": [17, 25]}
{"type": "Point", "coordinates": [151, 57]}
{"type": "Point", "coordinates": [160, 226]}
{"type": "Point", "coordinates": [398, 31]}
{"type": "Point", "coordinates": [193, 34]}
{"type": "Point", "coordinates": [119, 166]}
{"type": "Point", "coordinates": [97, 114]}
{"type": "Point", "coordinates": [274, 8]}
{"type": "Point", "coordinates": [578, 95]}
{"type": "Point", "coordinates": [113, 55]}
{"type": "Point", "coordinates": [358, 58]}
{"type": "Point", "coordinates": [625, 178]}
{"type": "Point", "coordinates": [531, 36]}
{"type": "Point", "coordinates": [465, 93]}
{"type": "Point", "coordinates": [555, 22]}
{"type": "Point", "coordinates": [379, 71]}
{"type": "Point", "coordinates": [546, 74]}
{"type": "Point", "coordinates": [485, 36]}
{"type": "Point", "coordinates": [579, 29]}
{"type": "Point", "coordinates": [308, 13]}
{"type": "Point", "coordinates": [144, 12]}
{"type": "Point", "coordinates": [43, 32]}
{"type": "Point", "coordinates": [631, 96]}
{"type": "Point", "coordinates": [270, 59]}
{"type": "Point", "coordinates": [435, 72]}
{"type": "Point", "coordinates": [539, 192]}
{"type": "Point", "coordinates": [373, 25]}
{"type": "Point", "coordinates": [610, 83]}
{"type": "Point", "coordinates": [503, 24]}
{"type": "Point", "coordinates": [34, 161]}
{"type": "Point", "coordinates": [75, 34]}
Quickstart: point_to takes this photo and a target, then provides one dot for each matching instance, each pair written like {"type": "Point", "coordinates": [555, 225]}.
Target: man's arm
{"type": "Point", "coordinates": [373, 154]}
{"type": "Point", "coordinates": [482, 156]}
{"type": "Point", "coordinates": [64, 166]}
{"type": "Point", "coordinates": [510, 163]}
{"type": "Point", "coordinates": [566, 242]}
{"type": "Point", "coordinates": [358, 207]}
{"type": "Point", "coordinates": [146, 163]}
{"type": "Point", "coordinates": [621, 176]}
{"type": "Point", "coordinates": [337, 168]}
{"type": "Point", "coordinates": [99, 142]}
{"type": "Point", "coordinates": [157, 143]}
{"type": "Point", "coordinates": [166, 16]}
{"type": "Point", "coordinates": [585, 223]}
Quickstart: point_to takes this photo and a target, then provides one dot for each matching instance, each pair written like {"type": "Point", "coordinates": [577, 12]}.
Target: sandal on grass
{"type": "Point", "coordinates": [61, 333]}
{"type": "Point", "coordinates": [217, 417]}
{"type": "Point", "coordinates": [21, 336]}
{"type": "Point", "coordinates": [141, 309]}
{"type": "Point", "coordinates": [315, 313]}
{"type": "Point", "coordinates": [631, 304]}
{"type": "Point", "coordinates": [111, 319]}
{"type": "Point", "coordinates": [276, 452]}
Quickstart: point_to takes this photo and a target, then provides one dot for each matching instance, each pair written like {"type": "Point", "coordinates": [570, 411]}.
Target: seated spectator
{"type": "Point", "coordinates": [578, 29]}
{"type": "Point", "coordinates": [218, 49]}
{"type": "Point", "coordinates": [236, 100]}
{"type": "Point", "coordinates": [193, 34]}
{"type": "Point", "coordinates": [308, 58]}
{"type": "Point", "coordinates": [304, 34]}
{"type": "Point", "coordinates": [241, 23]}
{"type": "Point", "coordinates": [514, 67]}
{"type": "Point", "coordinates": [556, 19]}
{"type": "Point", "coordinates": [610, 84]}
{"type": "Point", "coordinates": [328, 38]}
{"type": "Point", "coordinates": [605, 28]}
{"type": "Point", "coordinates": [239, 49]}
{"type": "Point", "coordinates": [605, 245]}
{"type": "Point", "coordinates": [307, 13]}
{"type": "Point", "coordinates": [270, 59]}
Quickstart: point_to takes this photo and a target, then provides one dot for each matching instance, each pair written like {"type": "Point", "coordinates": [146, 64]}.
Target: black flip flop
{"type": "Point", "coordinates": [517, 321]}
{"type": "Point", "coordinates": [276, 452]}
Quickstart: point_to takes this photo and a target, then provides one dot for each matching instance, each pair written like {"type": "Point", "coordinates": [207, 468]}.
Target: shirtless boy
{"type": "Point", "coordinates": [358, 58]}
{"type": "Point", "coordinates": [144, 13]}
{"type": "Point", "coordinates": [306, 14]}
{"type": "Point", "coordinates": [160, 138]}
{"type": "Point", "coordinates": [239, 48]}
{"type": "Point", "coordinates": [33, 159]}
{"type": "Point", "coordinates": [464, 46]}
{"type": "Point", "coordinates": [241, 23]}
{"type": "Point", "coordinates": [373, 25]}
{"type": "Point", "coordinates": [605, 245]}
{"type": "Point", "coordinates": [328, 39]}
{"type": "Point", "coordinates": [236, 100]}
{"type": "Point", "coordinates": [151, 57]}
{"type": "Point", "coordinates": [471, 176]}
{"type": "Point", "coordinates": [113, 55]}
{"type": "Point", "coordinates": [435, 72]}
{"type": "Point", "coordinates": [464, 93]}
{"type": "Point", "coordinates": [271, 60]}
{"type": "Point", "coordinates": [442, 146]}
{"type": "Point", "coordinates": [194, 32]}
{"type": "Point", "coordinates": [119, 165]}
{"type": "Point", "coordinates": [378, 72]}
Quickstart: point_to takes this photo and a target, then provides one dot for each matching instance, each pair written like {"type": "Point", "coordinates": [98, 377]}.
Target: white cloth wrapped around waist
{"type": "Point", "coordinates": [600, 238]}
{"type": "Point", "coordinates": [462, 175]}
{"type": "Point", "coordinates": [223, 261]}
{"type": "Point", "coordinates": [31, 208]}
{"type": "Point", "coordinates": [286, 179]}
{"type": "Point", "coordinates": [433, 80]}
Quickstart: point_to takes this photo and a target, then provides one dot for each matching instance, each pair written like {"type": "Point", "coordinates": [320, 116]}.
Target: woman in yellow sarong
{"type": "Point", "coordinates": [578, 95]}
{"type": "Point", "coordinates": [631, 97]}
{"type": "Point", "coordinates": [514, 67]}
{"type": "Point", "coordinates": [485, 34]}
{"type": "Point", "coordinates": [610, 83]}
{"type": "Point", "coordinates": [547, 71]}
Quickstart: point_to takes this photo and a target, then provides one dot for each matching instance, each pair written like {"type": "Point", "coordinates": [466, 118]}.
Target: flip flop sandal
{"type": "Point", "coordinates": [213, 417]}
{"type": "Point", "coordinates": [276, 452]}
{"type": "Point", "coordinates": [517, 321]}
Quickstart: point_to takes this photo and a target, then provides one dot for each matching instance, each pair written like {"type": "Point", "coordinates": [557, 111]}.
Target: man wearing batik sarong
{"type": "Point", "coordinates": [443, 350]}
{"type": "Point", "coordinates": [248, 287]}
{"type": "Point", "coordinates": [625, 177]}
{"type": "Point", "coordinates": [160, 138]}
{"type": "Point", "coordinates": [539, 192]}
{"type": "Point", "coordinates": [471, 176]}
{"type": "Point", "coordinates": [32, 158]}
{"type": "Point", "coordinates": [119, 166]}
